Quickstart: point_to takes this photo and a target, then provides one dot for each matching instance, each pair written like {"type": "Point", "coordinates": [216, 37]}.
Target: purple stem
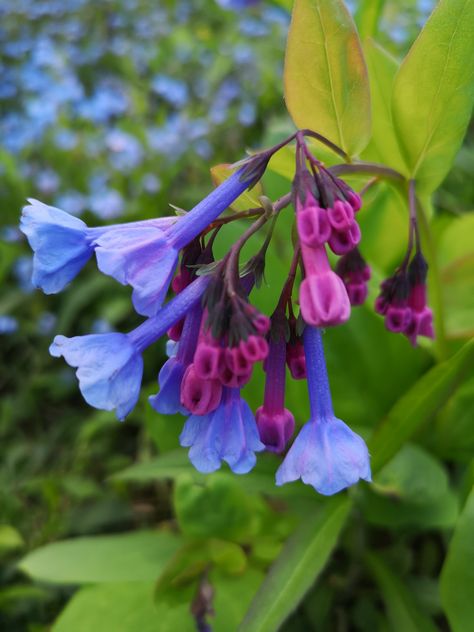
{"type": "Point", "coordinates": [317, 375]}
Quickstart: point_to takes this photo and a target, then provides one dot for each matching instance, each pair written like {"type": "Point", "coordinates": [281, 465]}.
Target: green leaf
{"type": "Point", "coordinates": [384, 146]}
{"type": "Point", "coordinates": [133, 557]}
{"type": "Point", "coordinates": [453, 437]}
{"type": "Point", "coordinates": [303, 558]}
{"type": "Point", "coordinates": [168, 465]}
{"type": "Point", "coordinates": [232, 598]}
{"type": "Point", "coordinates": [218, 507]}
{"type": "Point", "coordinates": [418, 405]}
{"type": "Point", "coordinates": [326, 82]}
{"type": "Point", "coordinates": [122, 608]}
{"type": "Point", "coordinates": [10, 539]}
{"type": "Point", "coordinates": [456, 260]}
{"type": "Point", "coordinates": [367, 17]}
{"type": "Point", "coordinates": [132, 608]}
{"type": "Point", "coordinates": [457, 576]}
{"type": "Point", "coordinates": [180, 576]}
{"type": "Point", "coordinates": [434, 92]}
{"type": "Point", "coordinates": [383, 222]}
{"type": "Point", "coordinates": [402, 610]}
{"type": "Point", "coordinates": [411, 490]}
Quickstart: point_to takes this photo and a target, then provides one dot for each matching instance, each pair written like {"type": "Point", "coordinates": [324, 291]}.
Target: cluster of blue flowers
{"type": "Point", "coordinates": [120, 84]}
{"type": "Point", "coordinates": [215, 334]}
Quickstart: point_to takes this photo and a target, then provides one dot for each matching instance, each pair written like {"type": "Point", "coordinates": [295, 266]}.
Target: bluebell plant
{"type": "Point", "coordinates": [216, 335]}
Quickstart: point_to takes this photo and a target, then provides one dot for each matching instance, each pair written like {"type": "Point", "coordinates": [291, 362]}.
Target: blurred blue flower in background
{"type": "Point", "coordinates": [8, 324]}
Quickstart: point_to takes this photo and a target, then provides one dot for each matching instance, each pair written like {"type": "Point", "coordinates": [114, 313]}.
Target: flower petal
{"type": "Point", "coordinates": [142, 257]}
{"type": "Point", "coordinates": [60, 244]}
{"type": "Point", "coordinates": [328, 455]}
{"type": "Point", "coordinates": [109, 369]}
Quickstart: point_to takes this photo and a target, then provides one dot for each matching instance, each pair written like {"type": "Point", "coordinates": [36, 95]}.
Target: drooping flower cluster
{"type": "Point", "coordinates": [216, 335]}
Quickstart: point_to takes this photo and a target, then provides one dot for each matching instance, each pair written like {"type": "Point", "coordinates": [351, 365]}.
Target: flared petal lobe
{"type": "Point", "coordinates": [60, 244]}
{"type": "Point", "coordinates": [229, 434]}
{"type": "Point", "coordinates": [109, 369]}
{"type": "Point", "coordinates": [142, 257]}
{"type": "Point", "coordinates": [328, 455]}
{"type": "Point", "coordinates": [168, 400]}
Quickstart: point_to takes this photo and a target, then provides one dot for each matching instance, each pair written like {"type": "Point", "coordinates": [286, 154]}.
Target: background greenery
{"type": "Point", "coordinates": [115, 109]}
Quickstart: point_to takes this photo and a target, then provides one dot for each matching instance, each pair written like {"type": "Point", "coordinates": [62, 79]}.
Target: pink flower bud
{"type": "Point", "coordinates": [421, 324]}
{"type": "Point", "coordinates": [207, 361]}
{"type": "Point", "coordinates": [354, 200]}
{"type": "Point", "coordinates": [297, 366]}
{"type": "Point", "coordinates": [342, 242]}
{"type": "Point", "coordinates": [296, 360]}
{"type": "Point", "coordinates": [197, 395]}
{"type": "Point", "coordinates": [262, 324]}
{"type": "Point", "coordinates": [232, 380]}
{"type": "Point", "coordinates": [324, 300]}
{"type": "Point", "coordinates": [341, 216]}
{"type": "Point", "coordinates": [397, 319]}
{"type": "Point", "coordinates": [275, 429]}
{"type": "Point", "coordinates": [254, 349]}
{"type": "Point", "coordinates": [357, 293]}
{"type": "Point", "coordinates": [237, 362]}
{"type": "Point", "coordinates": [313, 226]}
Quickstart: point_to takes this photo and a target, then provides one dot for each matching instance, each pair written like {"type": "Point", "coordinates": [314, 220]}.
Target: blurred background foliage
{"type": "Point", "coordinates": [113, 110]}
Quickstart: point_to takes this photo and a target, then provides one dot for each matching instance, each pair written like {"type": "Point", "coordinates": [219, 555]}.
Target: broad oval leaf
{"type": "Point", "coordinates": [434, 92]}
{"type": "Point", "coordinates": [457, 576]}
{"type": "Point", "coordinates": [116, 558]}
{"type": "Point", "coordinates": [303, 558]}
{"type": "Point", "coordinates": [326, 82]}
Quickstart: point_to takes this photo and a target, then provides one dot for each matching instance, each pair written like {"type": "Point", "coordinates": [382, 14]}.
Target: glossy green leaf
{"type": "Point", "coordinates": [384, 146]}
{"type": "Point", "coordinates": [403, 612]}
{"type": "Point", "coordinates": [457, 577]}
{"type": "Point", "coordinates": [434, 92]}
{"type": "Point", "coordinates": [419, 405]}
{"type": "Point", "coordinates": [122, 608]}
{"type": "Point", "coordinates": [326, 82]}
{"type": "Point", "coordinates": [302, 559]}
{"type": "Point", "coordinates": [136, 557]}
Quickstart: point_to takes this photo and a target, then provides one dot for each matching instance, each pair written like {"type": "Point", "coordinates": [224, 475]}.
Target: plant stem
{"type": "Point", "coordinates": [370, 168]}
